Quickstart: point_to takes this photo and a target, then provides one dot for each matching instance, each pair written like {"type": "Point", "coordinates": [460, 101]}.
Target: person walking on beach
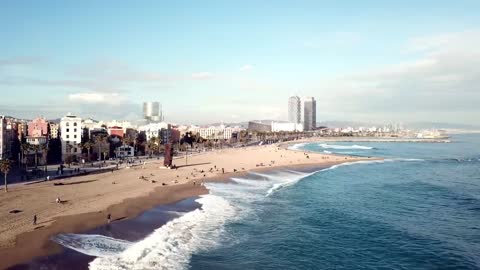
{"type": "Point", "coordinates": [34, 219]}
{"type": "Point", "coordinates": [109, 218]}
{"type": "Point", "coordinates": [223, 171]}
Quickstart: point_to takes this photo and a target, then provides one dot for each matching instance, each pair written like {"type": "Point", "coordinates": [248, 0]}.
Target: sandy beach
{"type": "Point", "coordinates": [87, 200]}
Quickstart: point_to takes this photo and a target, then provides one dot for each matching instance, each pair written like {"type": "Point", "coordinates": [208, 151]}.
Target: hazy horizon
{"type": "Point", "coordinates": [214, 61]}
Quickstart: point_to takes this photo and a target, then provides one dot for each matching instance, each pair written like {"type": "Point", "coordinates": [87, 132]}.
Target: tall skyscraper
{"type": "Point", "coordinates": [310, 114]}
{"type": "Point", "coordinates": [152, 111]}
{"type": "Point", "coordinates": [294, 110]}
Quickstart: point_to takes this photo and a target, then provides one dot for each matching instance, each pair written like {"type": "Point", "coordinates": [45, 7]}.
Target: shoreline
{"type": "Point", "coordinates": [368, 139]}
{"type": "Point", "coordinates": [36, 243]}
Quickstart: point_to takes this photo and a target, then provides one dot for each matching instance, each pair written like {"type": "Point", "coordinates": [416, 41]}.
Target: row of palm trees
{"type": "Point", "coordinates": [100, 141]}
{"type": "Point", "coordinates": [26, 148]}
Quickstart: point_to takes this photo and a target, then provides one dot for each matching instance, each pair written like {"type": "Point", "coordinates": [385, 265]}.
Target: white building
{"type": "Point", "coordinates": [37, 140]}
{"type": "Point", "coordinates": [286, 126]}
{"type": "Point", "coordinates": [294, 109]}
{"type": "Point", "coordinates": [124, 151]}
{"type": "Point", "coordinates": [70, 135]}
{"type": "Point", "coordinates": [221, 132]}
{"type": "Point", "coordinates": [153, 129]}
{"type": "Point", "coordinates": [91, 124]}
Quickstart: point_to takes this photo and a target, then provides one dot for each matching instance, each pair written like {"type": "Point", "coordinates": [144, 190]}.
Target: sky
{"type": "Point", "coordinates": [233, 61]}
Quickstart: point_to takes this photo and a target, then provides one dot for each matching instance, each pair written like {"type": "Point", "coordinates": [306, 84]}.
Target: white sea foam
{"type": "Point", "coordinates": [92, 244]}
{"type": "Point", "coordinates": [171, 246]}
{"type": "Point", "coordinates": [297, 146]}
{"type": "Point", "coordinates": [343, 147]}
{"type": "Point", "coordinates": [285, 179]}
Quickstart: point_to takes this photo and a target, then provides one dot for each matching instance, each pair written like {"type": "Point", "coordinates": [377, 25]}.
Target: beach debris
{"type": "Point", "coordinates": [15, 211]}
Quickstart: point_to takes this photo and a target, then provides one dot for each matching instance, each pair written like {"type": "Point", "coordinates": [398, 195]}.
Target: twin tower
{"type": "Point", "coordinates": [309, 112]}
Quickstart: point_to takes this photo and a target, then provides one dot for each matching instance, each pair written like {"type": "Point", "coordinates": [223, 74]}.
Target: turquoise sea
{"type": "Point", "coordinates": [419, 208]}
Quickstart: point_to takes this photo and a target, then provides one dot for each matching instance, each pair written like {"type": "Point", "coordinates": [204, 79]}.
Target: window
{"type": "Point", "coordinates": [74, 130]}
{"type": "Point", "coordinates": [75, 124]}
{"type": "Point", "coordinates": [68, 136]}
{"type": "Point", "coordinates": [68, 124]}
{"type": "Point", "coordinates": [68, 130]}
{"type": "Point", "coordinates": [74, 136]}
{"type": "Point", "coordinates": [74, 150]}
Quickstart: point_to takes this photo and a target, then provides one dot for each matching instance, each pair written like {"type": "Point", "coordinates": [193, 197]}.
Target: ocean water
{"type": "Point", "coordinates": [417, 209]}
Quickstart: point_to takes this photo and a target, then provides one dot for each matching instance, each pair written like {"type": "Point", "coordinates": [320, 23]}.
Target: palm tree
{"type": "Point", "coordinates": [5, 168]}
{"type": "Point", "coordinates": [100, 140]}
{"type": "Point", "coordinates": [45, 155]}
{"type": "Point", "coordinates": [36, 148]}
{"type": "Point", "coordinates": [127, 140]}
{"type": "Point", "coordinates": [24, 149]}
{"type": "Point", "coordinates": [153, 145]}
{"type": "Point", "coordinates": [87, 145]}
{"type": "Point", "coordinates": [68, 149]}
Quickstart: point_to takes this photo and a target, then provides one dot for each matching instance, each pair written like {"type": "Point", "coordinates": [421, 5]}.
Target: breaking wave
{"type": "Point", "coordinates": [92, 244]}
{"type": "Point", "coordinates": [343, 147]}
{"type": "Point", "coordinates": [171, 246]}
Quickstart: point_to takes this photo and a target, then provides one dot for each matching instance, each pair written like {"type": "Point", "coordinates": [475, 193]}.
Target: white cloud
{"type": "Point", "coordinates": [246, 68]}
{"type": "Point", "coordinates": [439, 85]}
{"type": "Point", "coordinates": [97, 98]}
{"type": "Point", "coordinates": [202, 75]}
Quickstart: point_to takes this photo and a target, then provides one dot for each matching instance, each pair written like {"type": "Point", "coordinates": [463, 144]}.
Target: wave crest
{"type": "Point", "coordinates": [344, 147]}
{"type": "Point", "coordinates": [171, 246]}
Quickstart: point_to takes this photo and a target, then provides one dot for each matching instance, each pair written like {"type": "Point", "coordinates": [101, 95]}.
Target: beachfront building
{"type": "Point", "coordinates": [71, 136]}
{"type": "Point", "coordinates": [220, 132]}
{"type": "Point", "coordinates": [116, 131]}
{"type": "Point", "coordinates": [260, 126]}
{"type": "Point", "coordinates": [294, 110]}
{"type": "Point", "coordinates": [54, 127]}
{"type": "Point", "coordinates": [38, 127]}
{"type": "Point", "coordinates": [3, 138]}
{"type": "Point", "coordinates": [125, 151]}
{"type": "Point", "coordinates": [91, 124]}
{"type": "Point", "coordinates": [38, 136]}
{"type": "Point", "coordinates": [287, 126]}
{"type": "Point", "coordinates": [22, 129]}
{"type": "Point", "coordinates": [310, 114]}
{"type": "Point", "coordinates": [123, 124]}
{"type": "Point", "coordinates": [169, 135]}
{"type": "Point", "coordinates": [153, 129]}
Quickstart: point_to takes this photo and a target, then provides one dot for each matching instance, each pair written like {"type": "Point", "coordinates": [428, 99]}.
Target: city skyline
{"type": "Point", "coordinates": [233, 62]}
